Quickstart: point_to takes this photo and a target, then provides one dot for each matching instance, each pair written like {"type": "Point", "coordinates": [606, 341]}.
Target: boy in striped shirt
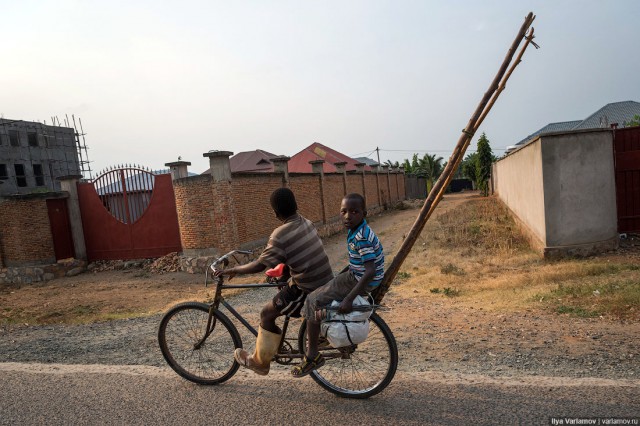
{"type": "Point", "coordinates": [365, 272]}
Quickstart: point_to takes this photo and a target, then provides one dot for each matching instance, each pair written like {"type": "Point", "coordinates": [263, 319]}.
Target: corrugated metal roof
{"type": "Point", "coordinates": [551, 127]}
{"type": "Point", "coordinates": [615, 112]}
{"type": "Point", "coordinates": [366, 160]}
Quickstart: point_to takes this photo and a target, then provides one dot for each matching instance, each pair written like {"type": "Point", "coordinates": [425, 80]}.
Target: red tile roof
{"type": "Point", "coordinates": [299, 163]}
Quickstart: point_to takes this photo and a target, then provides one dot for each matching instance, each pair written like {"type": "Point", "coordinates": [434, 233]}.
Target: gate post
{"type": "Point", "coordinates": [224, 209]}
{"type": "Point", "coordinates": [281, 165]}
{"type": "Point", "coordinates": [70, 184]}
{"type": "Point", "coordinates": [178, 169]}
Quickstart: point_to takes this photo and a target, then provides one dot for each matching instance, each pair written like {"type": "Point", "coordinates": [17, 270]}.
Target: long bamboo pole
{"type": "Point", "coordinates": [488, 100]}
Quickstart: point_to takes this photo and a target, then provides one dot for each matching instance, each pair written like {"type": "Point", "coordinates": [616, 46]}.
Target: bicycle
{"type": "Point", "coordinates": [198, 340]}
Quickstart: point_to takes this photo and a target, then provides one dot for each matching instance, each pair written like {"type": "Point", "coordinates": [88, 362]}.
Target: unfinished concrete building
{"type": "Point", "coordinates": [33, 155]}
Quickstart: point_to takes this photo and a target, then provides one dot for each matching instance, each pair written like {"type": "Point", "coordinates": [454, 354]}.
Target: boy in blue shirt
{"type": "Point", "coordinates": [365, 272]}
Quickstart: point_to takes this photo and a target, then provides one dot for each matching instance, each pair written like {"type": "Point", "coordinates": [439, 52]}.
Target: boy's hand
{"type": "Point", "coordinates": [228, 272]}
{"type": "Point", "coordinates": [345, 306]}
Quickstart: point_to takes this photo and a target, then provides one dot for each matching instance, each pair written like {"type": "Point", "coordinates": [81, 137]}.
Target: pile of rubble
{"type": "Point", "coordinates": [117, 265]}
{"type": "Point", "coordinates": [167, 263]}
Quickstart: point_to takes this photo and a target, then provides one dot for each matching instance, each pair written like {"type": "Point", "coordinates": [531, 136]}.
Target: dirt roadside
{"type": "Point", "coordinates": [434, 333]}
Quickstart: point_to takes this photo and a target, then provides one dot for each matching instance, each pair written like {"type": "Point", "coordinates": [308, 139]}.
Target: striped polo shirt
{"type": "Point", "coordinates": [297, 244]}
{"type": "Point", "coordinates": [364, 246]}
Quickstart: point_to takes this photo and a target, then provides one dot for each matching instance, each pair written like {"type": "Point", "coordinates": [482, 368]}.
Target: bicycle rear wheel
{"type": "Point", "coordinates": [180, 332]}
{"type": "Point", "coordinates": [358, 372]}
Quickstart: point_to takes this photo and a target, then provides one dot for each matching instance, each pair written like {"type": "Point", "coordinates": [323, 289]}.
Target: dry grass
{"type": "Point", "coordinates": [475, 254]}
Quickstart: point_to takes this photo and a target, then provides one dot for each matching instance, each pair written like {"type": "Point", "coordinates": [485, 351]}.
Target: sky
{"type": "Point", "coordinates": [153, 81]}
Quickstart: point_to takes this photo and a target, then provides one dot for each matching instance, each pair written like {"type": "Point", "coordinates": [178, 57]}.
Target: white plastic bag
{"type": "Point", "coordinates": [347, 329]}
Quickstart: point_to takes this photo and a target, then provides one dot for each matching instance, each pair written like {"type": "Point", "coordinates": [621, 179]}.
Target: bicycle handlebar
{"type": "Point", "coordinates": [222, 259]}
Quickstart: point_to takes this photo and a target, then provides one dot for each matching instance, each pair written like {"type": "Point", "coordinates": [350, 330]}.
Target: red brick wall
{"type": "Point", "coordinates": [333, 193]}
{"type": "Point", "coordinates": [306, 187]}
{"type": "Point", "coordinates": [227, 215]}
{"type": "Point", "coordinates": [354, 183]}
{"type": "Point", "coordinates": [195, 207]}
{"type": "Point", "coordinates": [25, 232]}
{"type": "Point", "coordinates": [372, 190]}
{"type": "Point", "coordinates": [255, 216]}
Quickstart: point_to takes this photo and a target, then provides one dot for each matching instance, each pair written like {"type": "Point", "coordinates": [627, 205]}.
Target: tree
{"type": "Point", "coordinates": [484, 160]}
{"type": "Point", "coordinates": [429, 167]}
{"type": "Point", "coordinates": [392, 164]}
{"type": "Point", "coordinates": [468, 168]}
{"type": "Point", "coordinates": [635, 121]}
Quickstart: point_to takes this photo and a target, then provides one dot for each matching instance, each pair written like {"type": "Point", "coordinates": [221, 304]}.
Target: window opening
{"type": "Point", "coordinates": [14, 139]}
{"type": "Point", "coordinates": [21, 179]}
{"type": "Point", "coordinates": [3, 172]}
{"type": "Point", "coordinates": [32, 137]}
{"type": "Point", "coordinates": [37, 172]}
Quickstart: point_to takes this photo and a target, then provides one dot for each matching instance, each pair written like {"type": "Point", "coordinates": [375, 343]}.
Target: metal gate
{"type": "Point", "coordinates": [627, 165]}
{"type": "Point", "coordinates": [129, 213]}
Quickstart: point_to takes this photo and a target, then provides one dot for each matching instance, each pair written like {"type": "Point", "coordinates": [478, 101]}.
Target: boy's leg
{"type": "Point", "coordinates": [268, 317]}
{"type": "Point", "coordinates": [335, 289]}
{"type": "Point", "coordinates": [269, 334]}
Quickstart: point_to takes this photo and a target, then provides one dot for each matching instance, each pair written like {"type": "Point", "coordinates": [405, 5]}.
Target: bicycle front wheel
{"type": "Point", "coordinates": [204, 361]}
{"type": "Point", "coordinates": [358, 372]}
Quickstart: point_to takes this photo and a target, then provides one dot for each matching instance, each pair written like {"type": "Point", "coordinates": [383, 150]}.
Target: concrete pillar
{"type": "Point", "coordinates": [361, 172]}
{"type": "Point", "coordinates": [219, 165]}
{"type": "Point", "coordinates": [385, 170]}
{"type": "Point", "coordinates": [70, 185]}
{"type": "Point", "coordinates": [341, 167]}
{"type": "Point", "coordinates": [317, 166]}
{"type": "Point", "coordinates": [179, 169]}
{"type": "Point", "coordinates": [223, 214]}
{"type": "Point", "coordinates": [281, 165]}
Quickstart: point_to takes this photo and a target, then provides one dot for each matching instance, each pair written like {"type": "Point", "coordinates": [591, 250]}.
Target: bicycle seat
{"type": "Point", "coordinates": [276, 272]}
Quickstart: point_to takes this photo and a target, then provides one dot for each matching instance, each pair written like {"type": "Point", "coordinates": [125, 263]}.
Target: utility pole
{"type": "Point", "coordinates": [378, 152]}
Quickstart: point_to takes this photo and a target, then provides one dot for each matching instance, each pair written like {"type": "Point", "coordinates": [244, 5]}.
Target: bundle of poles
{"type": "Point", "coordinates": [435, 195]}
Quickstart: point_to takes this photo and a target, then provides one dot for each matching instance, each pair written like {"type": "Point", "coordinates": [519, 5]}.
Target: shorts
{"type": "Point", "coordinates": [336, 289]}
{"type": "Point", "coordinates": [289, 300]}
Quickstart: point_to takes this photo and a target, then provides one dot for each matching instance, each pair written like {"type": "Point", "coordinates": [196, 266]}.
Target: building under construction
{"type": "Point", "coordinates": [33, 155]}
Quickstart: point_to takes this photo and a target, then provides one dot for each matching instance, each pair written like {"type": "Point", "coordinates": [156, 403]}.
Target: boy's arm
{"type": "Point", "coordinates": [249, 268]}
{"type": "Point", "coordinates": [369, 272]}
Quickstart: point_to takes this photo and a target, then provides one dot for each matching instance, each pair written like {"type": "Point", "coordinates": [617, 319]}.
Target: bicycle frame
{"type": "Point", "coordinates": [218, 299]}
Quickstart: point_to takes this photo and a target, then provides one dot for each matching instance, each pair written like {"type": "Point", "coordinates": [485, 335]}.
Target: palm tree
{"type": "Point", "coordinates": [430, 168]}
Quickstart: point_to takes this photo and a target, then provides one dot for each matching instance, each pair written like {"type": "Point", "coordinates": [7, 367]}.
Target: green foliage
{"type": "Point", "coordinates": [468, 167]}
{"type": "Point", "coordinates": [429, 167]}
{"type": "Point", "coordinates": [484, 160]}
{"type": "Point", "coordinates": [635, 121]}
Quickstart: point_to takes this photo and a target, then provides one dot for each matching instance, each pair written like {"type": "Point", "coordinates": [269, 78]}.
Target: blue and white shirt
{"type": "Point", "coordinates": [364, 246]}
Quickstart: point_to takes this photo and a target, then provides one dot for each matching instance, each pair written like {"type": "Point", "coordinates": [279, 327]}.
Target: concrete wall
{"type": "Point", "coordinates": [579, 191]}
{"type": "Point", "coordinates": [561, 187]}
{"type": "Point", "coordinates": [518, 181]}
{"type": "Point", "coordinates": [55, 153]}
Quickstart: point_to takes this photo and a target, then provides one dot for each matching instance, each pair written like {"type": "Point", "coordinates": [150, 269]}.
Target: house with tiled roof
{"type": "Point", "coordinates": [299, 163]}
{"type": "Point", "coordinates": [258, 161]}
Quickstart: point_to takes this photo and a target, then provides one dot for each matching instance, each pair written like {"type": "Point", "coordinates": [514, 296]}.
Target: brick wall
{"type": "Point", "coordinates": [251, 194]}
{"type": "Point", "coordinates": [219, 216]}
{"type": "Point", "coordinates": [194, 204]}
{"type": "Point", "coordinates": [25, 232]}
{"type": "Point", "coordinates": [333, 193]}
{"type": "Point", "coordinates": [306, 187]}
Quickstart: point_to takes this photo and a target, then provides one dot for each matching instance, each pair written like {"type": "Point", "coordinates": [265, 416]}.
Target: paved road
{"type": "Point", "coordinates": [99, 394]}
